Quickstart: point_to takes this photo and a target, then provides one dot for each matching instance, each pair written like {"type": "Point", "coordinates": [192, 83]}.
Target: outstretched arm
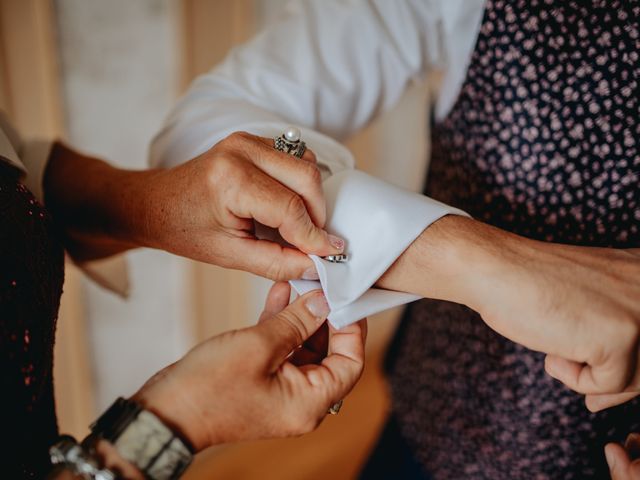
{"type": "Point", "coordinates": [577, 304]}
{"type": "Point", "coordinates": [204, 209]}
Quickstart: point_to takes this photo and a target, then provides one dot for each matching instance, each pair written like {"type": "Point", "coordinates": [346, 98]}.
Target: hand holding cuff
{"type": "Point", "coordinates": [378, 221]}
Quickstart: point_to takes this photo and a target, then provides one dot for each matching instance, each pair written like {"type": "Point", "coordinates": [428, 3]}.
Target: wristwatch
{"type": "Point", "coordinates": [144, 440]}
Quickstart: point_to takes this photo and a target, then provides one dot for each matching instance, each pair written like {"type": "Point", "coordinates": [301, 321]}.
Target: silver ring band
{"type": "Point", "coordinates": [335, 408]}
{"type": "Point", "coordinates": [291, 142]}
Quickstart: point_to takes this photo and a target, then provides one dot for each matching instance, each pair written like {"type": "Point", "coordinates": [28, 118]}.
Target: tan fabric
{"type": "Point", "coordinates": [111, 273]}
{"type": "Point", "coordinates": [34, 155]}
{"type": "Point", "coordinates": [9, 143]}
{"type": "Point", "coordinates": [31, 157]}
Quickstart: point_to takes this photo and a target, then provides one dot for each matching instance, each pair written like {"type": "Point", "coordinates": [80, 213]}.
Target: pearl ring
{"type": "Point", "coordinates": [290, 142]}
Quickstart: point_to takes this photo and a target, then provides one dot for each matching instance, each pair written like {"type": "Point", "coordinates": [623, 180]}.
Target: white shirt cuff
{"type": "Point", "coordinates": [378, 221]}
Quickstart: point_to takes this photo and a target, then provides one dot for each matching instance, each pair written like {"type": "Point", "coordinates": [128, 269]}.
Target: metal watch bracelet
{"type": "Point", "coordinates": [138, 435]}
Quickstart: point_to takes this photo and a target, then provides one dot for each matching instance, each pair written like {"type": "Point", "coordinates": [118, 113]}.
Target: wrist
{"type": "Point", "coordinates": [166, 400]}
{"type": "Point", "coordinates": [454, 259]}
{"type": "Point", "coordinates": [485, 257]}
{"type": "Point", "coordinates": [99, 208]}
{"type": "Point", "coordinates": [133, 439]}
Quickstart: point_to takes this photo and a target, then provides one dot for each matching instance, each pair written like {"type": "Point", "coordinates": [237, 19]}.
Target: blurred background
{"type": "Point", "coordinates": [102, 76]}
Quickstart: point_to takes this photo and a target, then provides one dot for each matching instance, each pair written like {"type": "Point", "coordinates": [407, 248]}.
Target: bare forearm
{"type": "Point", "coordinates": [577, 304]}
{"type": "Point", "coordinates": [451, 259]}
{"type": "Point", "coordinates": [98, 208]}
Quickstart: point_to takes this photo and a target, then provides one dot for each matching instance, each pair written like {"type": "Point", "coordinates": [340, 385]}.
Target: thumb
{"type": "Point", "coordinates": [277, 300]}
{"type": "Point", "coordinates": [270, 260]}
{"type": "Point", "coordinates": [595, 403]}
{"type": "Point", "coordinates": [297, 228]}
{"type": "Point", "coordinates": [287, 330]}
{"type": "Point", "coordinates": [620, 466]}
{"type": "Point", "coordinates": [584, 378]}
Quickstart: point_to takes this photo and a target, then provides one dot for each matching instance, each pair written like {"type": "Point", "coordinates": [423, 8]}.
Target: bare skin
{"type": "Point", "coordinates": [259, 382]}
{"type": "Point", "coordinates": [579, 305]}
{"type": "Point", "coordinates": [204, 209]}
{"type": "Point", "coordinates": [624, 461]}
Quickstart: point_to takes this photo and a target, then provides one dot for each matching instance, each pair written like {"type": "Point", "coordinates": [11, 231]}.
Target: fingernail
{"type": "Point", "coordinates": [318, 306]}
{"type": "Point", "coordinates": [310, 274]}
{"type": "Point", "coordinates": [336, 242]}
{"type": "Point", "coordinates": [611, 458]}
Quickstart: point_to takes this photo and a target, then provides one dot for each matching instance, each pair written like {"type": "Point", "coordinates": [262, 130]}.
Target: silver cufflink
{"type": "Point", "coordinates": [336, 258]}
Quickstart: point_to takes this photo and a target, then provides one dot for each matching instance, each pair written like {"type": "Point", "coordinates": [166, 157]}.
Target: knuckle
{"type": "Point", "coordinates": [275, 270]}
{"type": "Point", "coordinates": [297, 218]}
{"type": "Point", "coordinates": [295, 207]}
{"type": "Point", "coordinates": [221, 168]}
{"type": "Point", "coordinates": [295, 327]}
{"type": "Point", "coordinates": [312, 174]}
{"type": "Point", "coordinates": [621, 355]}
{"type": "Point", "coordinates": [628, 331]}
{"type": "Point", "coordinates": [236, 139]}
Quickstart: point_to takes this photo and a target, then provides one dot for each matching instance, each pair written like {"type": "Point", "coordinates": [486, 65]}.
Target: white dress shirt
{"type": "Point", "coordinates": [330, 67]}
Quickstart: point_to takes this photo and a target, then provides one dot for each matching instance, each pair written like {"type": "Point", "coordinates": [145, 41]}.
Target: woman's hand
{"type": "Point", "coordinates": [260, 382]}
{"type": "Point", "coordinates": [580, 305]}
{"type": "Point", "coordinates": [205, 209]}
{"type": "Point", "coordinates": [624, 463]}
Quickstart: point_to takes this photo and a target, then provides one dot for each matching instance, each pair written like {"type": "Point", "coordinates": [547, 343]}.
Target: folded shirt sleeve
{"type": "Point", "coordinates": [378, 221]}
{"type": "Point", "coordinates": [310, 68]}
{"type": "Point", "coordinates": [313, 69]}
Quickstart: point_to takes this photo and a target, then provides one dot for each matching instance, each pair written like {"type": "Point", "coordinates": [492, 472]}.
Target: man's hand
{"type": "Point", "coordinates": [205, 209]}
{"type": "Point", "coordinates": [624, 463]}
{"type": "Point", "coordinates": [260, 382]}
{"type": "Point", "coordinates": [580, 305]}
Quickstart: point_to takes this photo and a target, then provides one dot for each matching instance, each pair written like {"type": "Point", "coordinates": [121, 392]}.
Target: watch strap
{"type": "Point", "coordinates": [143, 439]}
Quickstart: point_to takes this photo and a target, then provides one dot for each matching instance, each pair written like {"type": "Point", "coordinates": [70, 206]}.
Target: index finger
{"type": "Point", "coordinates": [302, 176]}
{"type": "Point", "coordinates": [608, 377]}
{"type": "Point", "coordinates": [342, 368]}
{"type": "Point", "coordinates": [269, 202]}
